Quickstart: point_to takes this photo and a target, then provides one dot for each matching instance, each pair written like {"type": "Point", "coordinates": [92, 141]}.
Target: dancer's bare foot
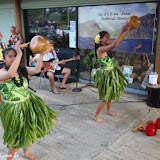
{"type": "Point", "coordinates": [98, 119]}
{"type": "Point", "coordinates": [29, 156]}
{"type": "Point", "coordinates": [112, 114]}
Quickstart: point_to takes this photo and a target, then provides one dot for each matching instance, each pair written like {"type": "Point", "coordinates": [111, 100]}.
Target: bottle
{"type": "Point", "coordinates": [153, 78]}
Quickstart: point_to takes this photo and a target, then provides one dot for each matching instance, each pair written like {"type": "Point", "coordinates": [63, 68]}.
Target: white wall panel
{"type": "Point", "coordinates": [6, 20]}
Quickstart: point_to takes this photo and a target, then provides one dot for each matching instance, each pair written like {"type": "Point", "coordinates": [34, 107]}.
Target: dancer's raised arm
{"type": "Point", "coordinates": [114, 44]}
{"type": "Point", "coordinates": [37, 69]}
{"type": "Point", "coordinates": [12, 58]}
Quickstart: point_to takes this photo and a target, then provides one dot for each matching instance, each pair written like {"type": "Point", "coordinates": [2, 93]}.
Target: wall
{"type": "Point", "coordinates": [6, 18]}
{"type": "Point", "coordinates": [30, 4]}
{"type": "Point", "coordinates": [7, 12]}
{"type": "Point", "coordinates": [158, 51]}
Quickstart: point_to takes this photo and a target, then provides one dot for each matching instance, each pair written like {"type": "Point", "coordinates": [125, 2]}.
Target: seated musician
{"type": "Point", "coordinates": [56, 69]}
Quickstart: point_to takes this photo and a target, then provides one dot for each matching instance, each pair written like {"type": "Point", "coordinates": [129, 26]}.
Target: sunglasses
{"type": "Point", "coordinates": [11, 30]}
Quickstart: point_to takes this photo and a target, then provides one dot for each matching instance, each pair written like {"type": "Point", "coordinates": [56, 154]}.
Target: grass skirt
{"type": "Point", "coordinates": [110, 83]}
{"type": "Point", "coordinates": [26, 120]}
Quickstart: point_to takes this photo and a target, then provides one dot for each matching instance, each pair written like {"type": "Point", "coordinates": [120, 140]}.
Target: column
{"type": "Point", "coordinates": [18, 21]}
{"type": "Point", "coordinates": [158, 49]}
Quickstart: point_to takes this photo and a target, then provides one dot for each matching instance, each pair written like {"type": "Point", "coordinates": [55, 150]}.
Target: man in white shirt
{"type": "Point", "coordinates": [52, 56]}
{"type": "Point", "coordinates": [59, 31]}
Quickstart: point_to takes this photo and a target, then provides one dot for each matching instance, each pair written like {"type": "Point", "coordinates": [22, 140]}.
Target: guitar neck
{"type": "Point", "coordinates": [59, 62]}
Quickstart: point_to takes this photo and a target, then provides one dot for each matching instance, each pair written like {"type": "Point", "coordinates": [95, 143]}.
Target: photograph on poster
{"type": "Point", "coordinates": [111, 18]}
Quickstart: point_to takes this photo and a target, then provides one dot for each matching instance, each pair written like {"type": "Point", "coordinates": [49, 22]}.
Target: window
{"type": "Point", "coordinates": [55, 24]}
{"type": "Point", "coordinates": [51, 23]}
{"type": "Point", "coordinates": [137, 49]}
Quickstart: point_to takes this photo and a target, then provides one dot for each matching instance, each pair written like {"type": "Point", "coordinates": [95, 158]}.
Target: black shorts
{"type": "Point", "coordinates": [58, 71]}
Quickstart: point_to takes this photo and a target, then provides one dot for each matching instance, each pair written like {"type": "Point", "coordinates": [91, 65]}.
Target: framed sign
{"type": "Point", "coordinates": [93, 72]}
{"type": "Point", "coordinates": [127, 70]}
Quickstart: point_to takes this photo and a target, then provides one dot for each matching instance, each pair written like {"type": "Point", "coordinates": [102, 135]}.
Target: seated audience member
{"type": "Point", "coordinates": [14, 37]}
{"type": "Point", "coordinates": [59, 31]}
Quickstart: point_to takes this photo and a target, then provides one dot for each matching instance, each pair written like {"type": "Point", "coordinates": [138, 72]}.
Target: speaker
{"type": "Point", "coordinates": [153, 97]}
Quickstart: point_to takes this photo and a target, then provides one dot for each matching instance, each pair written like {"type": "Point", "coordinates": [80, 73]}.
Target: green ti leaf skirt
{"type": "Point", "coordinates": [110, 83]}
{"type": "Point", "coordinates": [25, 121]}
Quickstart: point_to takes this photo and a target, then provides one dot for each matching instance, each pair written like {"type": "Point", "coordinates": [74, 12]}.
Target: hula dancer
{"type": "Point", "coordinates": [109, 79]}
{"type": "Point", "coordinates": [25, 117]}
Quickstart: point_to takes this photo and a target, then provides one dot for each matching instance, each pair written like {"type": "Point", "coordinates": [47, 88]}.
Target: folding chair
{"type": "Point", "coordinates": [42, 75]}
{"type": "Point", "coordinates": [57, 76]}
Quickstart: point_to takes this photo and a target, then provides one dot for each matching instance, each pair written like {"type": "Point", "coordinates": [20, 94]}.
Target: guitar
{"type": "Point", "coordinates": [48, 65]}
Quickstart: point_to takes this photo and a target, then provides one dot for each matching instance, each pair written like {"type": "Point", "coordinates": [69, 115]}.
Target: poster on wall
{"type": "Point", "coordinates": [111, 18]}
{"type": "Point", "coordinates": [72, 39]}
{"type": "Point", "coordinates": [72, 25]}
{"type": "Point", "coordinates": [72, 34]}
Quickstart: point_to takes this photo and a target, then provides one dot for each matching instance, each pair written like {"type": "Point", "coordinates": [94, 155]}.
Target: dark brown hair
{"type": "Point", "coordinates": [5, 51]}
{"type": "Point", "coordinates": [97, 45]}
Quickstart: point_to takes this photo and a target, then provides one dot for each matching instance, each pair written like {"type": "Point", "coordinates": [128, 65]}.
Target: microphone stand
{"type": "Point", "coordinates": [77, 89]}
{"type": "Point", "coordinates": [77, 62]}
{"type": "Point", "coordinates": [90, 84]}
{"type": "Point", "coordinates": [90, 70]}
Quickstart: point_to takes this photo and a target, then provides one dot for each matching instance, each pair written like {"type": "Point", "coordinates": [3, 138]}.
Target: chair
{"type": "Point", "coordinates": [49, 86]}
{"type": "Point", "coordinates": [42, 75]}
{"type": "Point", "coordinates": [57, 76]}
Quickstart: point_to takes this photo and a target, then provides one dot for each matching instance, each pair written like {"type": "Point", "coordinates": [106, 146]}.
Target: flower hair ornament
{"type": "Point", "coordinates": [97, 39]}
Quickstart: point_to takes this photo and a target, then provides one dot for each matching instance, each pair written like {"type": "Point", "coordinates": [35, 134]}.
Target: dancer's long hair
{"type": "Point", "coordinates": [97, 45]}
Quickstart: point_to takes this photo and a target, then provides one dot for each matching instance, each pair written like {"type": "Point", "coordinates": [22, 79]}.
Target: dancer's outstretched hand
{"type": "Point", "coordinates": [17, 47]}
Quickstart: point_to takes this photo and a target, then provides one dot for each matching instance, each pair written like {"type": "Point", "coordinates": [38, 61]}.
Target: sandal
{"type": "Point", "coordinates": [56, 92]}
{"type": "Point", "coordinates": [67, 88]}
